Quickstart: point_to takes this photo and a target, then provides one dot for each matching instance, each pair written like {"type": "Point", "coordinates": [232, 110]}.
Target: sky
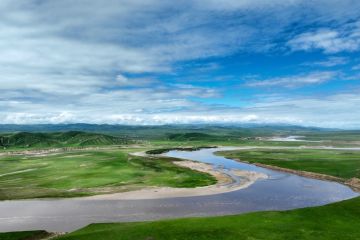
{"type": "Point", "coordinates": [179, 62]}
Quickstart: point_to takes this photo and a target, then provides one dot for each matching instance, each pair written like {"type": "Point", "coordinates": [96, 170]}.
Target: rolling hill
{"type": "Point", "coordinates": [58, 139]}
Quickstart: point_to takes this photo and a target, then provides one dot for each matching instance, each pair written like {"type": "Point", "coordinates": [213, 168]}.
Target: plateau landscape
{"type": "Point", "coordinates": [179, 120]}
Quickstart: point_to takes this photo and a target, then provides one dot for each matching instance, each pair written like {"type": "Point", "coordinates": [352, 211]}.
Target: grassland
{"type": "Point", "coordinates": [196, 139]}
{"type": "Point", "coordinates": [85, 173]}
{"type": "Point", "coordinates": [339, 163]}
{"type": "Point", "coordinates": [334, 221]}
{"type": "Point", "coordinates": [27, 140]}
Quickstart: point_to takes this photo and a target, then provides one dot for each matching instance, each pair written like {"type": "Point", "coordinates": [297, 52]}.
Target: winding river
{"type": "Point", "coordinates": [281, 191]}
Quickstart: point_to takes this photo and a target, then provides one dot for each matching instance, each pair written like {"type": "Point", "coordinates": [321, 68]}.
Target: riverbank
{"type": "Point", "coordinates": [329, 222]}
{"type": "Point", "coordinates": [353, 183]}
{"type": "Point", "coordinates": [342, 162]}
{"type": "Point", "coordinates": [229, 181]}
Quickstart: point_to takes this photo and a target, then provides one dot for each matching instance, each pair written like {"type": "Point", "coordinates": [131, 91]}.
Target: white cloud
{"type": "Point", "coordinates": [313, 78]}
{"type": "Point", "coordinates": [135, 82]}
{"type": "Point", "coordinates": [328, 40]}
{"type": "Point", "coordinates": [339, 110]}
{"type": "Point", "coordinates": [329, 62]}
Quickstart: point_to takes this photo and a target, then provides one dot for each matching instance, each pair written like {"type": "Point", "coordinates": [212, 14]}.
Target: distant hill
{"type": "Point", "coordinates": [85, 127]}
{"type": "Point", "coordinates": [192, 136]}
{"type": "Point", "coordinates": [158, 130]}
{"type": "Point", "coordinates": [58, 139]}
{"type": "Point", "coordinates": [186, 132]}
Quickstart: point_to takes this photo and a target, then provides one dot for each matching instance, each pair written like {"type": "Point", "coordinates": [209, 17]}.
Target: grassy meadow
{"type": "Point", "coordinates": [85, 173]}
{"type": "Point", "coordinates": [26, 140]}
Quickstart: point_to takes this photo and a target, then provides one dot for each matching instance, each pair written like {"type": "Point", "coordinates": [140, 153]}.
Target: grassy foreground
{"type": "Point", "coordinates": [335, 221]}
{"type": "Point", "coordinates": [86, 173]}
{"type": "Point", "coordinates": [338, 163]}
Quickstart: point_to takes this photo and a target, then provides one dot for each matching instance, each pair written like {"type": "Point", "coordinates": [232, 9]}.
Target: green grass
{"type": "Point", "coordinates": [85, 173]}
{"type": "Point", "coordinates": [239, 141]}
{"type": "Point", "coordinates": [341, 135]}
{"type": "Point", "coordinates": [27, 235]}
{"type": "Point", "coordinates": [335, 221]}
{"type": "Point", "coordinates": [339, 163]}
{"type": "Point", "coordinates": [26, 140]}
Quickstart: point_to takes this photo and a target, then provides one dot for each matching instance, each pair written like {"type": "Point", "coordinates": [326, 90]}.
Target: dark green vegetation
{"type": "Point", "coordinates": [85, 173]}
{"type": "Point", "coordinates": [339, 163]}
{"type": "Point", "coordinates": [335, 221]}
{"type": "Point", "coordinates": [164, 150]}
{"type": "Point", "coordinates": [28, 235]}
{"type": "Point", "coordinates": [58, 139]}
{"type": "Point", "coordinates": [192, 136]}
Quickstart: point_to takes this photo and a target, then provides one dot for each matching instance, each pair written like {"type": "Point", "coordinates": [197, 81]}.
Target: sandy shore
{"type": "Point", "coordinates": [227, 181]}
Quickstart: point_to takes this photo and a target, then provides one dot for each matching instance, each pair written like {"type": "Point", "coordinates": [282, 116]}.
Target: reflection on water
{"type": "Point", "coordinates": [281, 191]}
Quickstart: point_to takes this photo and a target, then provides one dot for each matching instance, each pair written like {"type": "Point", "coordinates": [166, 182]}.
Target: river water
{"type": "Point", "coordinates": [281, 191]}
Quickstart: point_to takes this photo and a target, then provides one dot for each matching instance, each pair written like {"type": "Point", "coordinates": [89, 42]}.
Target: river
{"type": "Point", "coordinates": [281, 191]}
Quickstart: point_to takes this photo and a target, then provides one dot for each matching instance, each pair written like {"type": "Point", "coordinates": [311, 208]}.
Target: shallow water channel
{"type": "Point", "coordinates": [280, 191]}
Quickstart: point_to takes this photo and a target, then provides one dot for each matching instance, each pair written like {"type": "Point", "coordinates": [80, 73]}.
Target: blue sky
{"type": "Point", "coordinates": [164, 62]}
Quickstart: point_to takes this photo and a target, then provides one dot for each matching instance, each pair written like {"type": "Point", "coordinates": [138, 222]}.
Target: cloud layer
{"type": "Point", "coordinates": [122, 62]}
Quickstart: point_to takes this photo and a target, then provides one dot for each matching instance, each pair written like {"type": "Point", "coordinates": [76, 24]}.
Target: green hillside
{"type": "Point", "coordinates": [60, 139]}
{"type": "Point", "coordinates": [191, 136]}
